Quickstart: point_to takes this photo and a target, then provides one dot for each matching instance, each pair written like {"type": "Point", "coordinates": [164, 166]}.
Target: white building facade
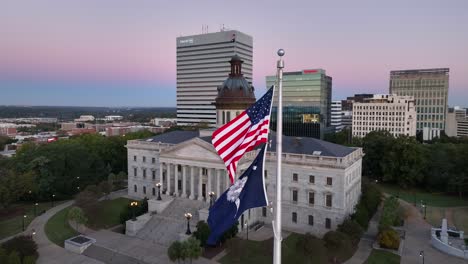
{"type": "Point", "coordinates": [336, 115]}
{"type": "Point", "coordinates": [395, 114]}
{"type": "Point", "coordinates": [321, 180]}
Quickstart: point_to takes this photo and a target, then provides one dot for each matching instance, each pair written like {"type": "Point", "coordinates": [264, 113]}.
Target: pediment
{"type": "Point", "coordinates": [192, 149]}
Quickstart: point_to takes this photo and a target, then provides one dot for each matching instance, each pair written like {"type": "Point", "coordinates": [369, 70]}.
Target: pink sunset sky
{"type": "Point", "coordinates": [122, 52]}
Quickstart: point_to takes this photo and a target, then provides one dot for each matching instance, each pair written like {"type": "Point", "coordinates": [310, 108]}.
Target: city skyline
{"type": "Point", "coordinates": [118, 53]}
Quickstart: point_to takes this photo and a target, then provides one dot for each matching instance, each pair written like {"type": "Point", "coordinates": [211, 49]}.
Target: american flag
{"type": "Point", "coordinates": [243, 133]}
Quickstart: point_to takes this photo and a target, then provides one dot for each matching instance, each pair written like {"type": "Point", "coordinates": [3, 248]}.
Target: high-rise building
{"type": "Point", "coordinates": [456, 123]}
{"type": "Point", "coordinates": [347, 105]}
{"type": "Point", "coordinates": [336, 116]}
{"type": "Point", "coordinates": [202, 65]}
{"type": "Point", "coordinates": [429, 87]}
{"type": "Point", "coordinates": [395, 114]}
{"type": "Point", "coordinates": [306, 103]}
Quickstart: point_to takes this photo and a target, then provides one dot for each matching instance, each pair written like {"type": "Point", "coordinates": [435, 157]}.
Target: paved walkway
{"type": "Point", "coordinates": [49, 253]}
{"type": "Point", "coordinates": [367, 239]}
{"type": "Point", "coordinates": [418, 235]}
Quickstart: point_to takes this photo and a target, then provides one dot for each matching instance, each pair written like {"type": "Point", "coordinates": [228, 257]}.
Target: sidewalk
{"type": "Point", "coordinates": [418, 235]}
{"type": "Point", "coordinates": [365, 244]}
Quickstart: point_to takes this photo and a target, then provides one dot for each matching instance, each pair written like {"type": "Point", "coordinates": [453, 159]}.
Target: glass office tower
{"type": "Point", "coordinates": [306, 103]}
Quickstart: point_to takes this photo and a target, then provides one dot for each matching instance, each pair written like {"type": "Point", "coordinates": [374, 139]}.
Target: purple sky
{"type": "Point", "coordinates": [122, 52]}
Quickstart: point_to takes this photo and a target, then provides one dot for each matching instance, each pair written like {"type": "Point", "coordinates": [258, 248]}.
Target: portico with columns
{"type": "Point", "coordinates": [188, 170]}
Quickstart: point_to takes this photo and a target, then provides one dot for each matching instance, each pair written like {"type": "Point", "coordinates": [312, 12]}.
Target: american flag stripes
{"type": "Point", "coordinates": [243, 133]}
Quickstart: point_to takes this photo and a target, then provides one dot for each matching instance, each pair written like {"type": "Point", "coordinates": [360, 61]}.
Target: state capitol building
{"type": "Point", "coordinates": [321, 181]}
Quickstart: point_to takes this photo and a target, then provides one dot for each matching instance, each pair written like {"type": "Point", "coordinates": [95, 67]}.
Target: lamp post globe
{"type": "Point", "coordinates": [159, 191]}
{"type": "Point", "coordinates": [211, 194]}
{"type": "Point", "coordinates": [24, 218]}
{"type": "Point", "coordinates": [133, 205]}
{"type": "Point", "coordinates": [188, 216]}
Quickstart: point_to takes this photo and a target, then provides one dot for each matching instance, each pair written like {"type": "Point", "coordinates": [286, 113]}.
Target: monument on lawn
{"type": "Point", "coordinates": [443, 232]}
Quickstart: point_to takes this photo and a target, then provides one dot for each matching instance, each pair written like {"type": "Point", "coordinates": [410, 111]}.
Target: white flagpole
{"type": "Point", "coordinates": [279, 154]}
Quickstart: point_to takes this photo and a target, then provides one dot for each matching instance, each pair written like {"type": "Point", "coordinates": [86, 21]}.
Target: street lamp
{"type": "Point", "coordinates": [33, 232]}
{"type": "Point", "coordinates": [24, 218]}
{"type": "Point", "coordinates": [211, 194]}
{"type": "Point", "coordinates": [188, 216]}
{"type": "Point", "coordinates": [53, 196]}
{"type": "Point", "coordinates": [424, 207]}
{"type": "Point", "coordinates": [35, 209]}
{"type": "Point", "coordinates": [421, 255]}
{"type": "Point", "coordinates": [246, 225]}
{"type": "Point", "coordinates": [159, 191]}
{"type": "Point", "coordinates": [133, 205]}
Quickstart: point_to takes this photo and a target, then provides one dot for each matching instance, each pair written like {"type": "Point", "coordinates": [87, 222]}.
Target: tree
{"type": "Point", "coordinates": [77, 215]}
{"type": "Point", "coordinates": [375, 145]}
{"type": "Point", "coordinates": [336, 240]}
{"type": "Point", "coordinates": [3, 255]}
{"type": "Point", "coordinates": [202, 233]}
{"type": "Point", "coordinates": [390, 213]}
{"type": "Point", "coordinates": [175, 251]}
{"type": "Point", "coordinates": [192, 248]}
{"type": "Point", "coordinates": [23, 245]}
{"type": "Point", "coordinates": [13, 187]}
{"type": "Point", "coordinates": [105, 187]}
{"type": "Point", "coordinates": [352, 229]}
{"type": "Point", "coordinates": [14, 258]}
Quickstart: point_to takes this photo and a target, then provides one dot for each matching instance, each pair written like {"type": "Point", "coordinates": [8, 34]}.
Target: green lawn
{"type": "Point", "coordinates": [57, 228]}
{"type": "Point", "coordinates": [106, 214]}
{"type": "Point", "coordinates": [416, 195]}
{"type": "Point", "coordinates": [12, 223]}
{"type": "Point", "coordinates": [382, 257]}
{"type": "Point", "coordinates": [460, 217]}
{"type": "Point", "coordinates": [243, 251]}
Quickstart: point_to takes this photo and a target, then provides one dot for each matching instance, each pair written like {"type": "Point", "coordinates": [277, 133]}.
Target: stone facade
{"type": "Point", "coordinates": [319, 189]}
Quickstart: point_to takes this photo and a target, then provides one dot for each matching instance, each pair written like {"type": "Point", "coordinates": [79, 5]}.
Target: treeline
{"type": "Point", "coordinates": [440, 165]}
{"type": "Point", "coordinates": [136, 114]}
{"type": "Point", "coordinates": [63, 167]}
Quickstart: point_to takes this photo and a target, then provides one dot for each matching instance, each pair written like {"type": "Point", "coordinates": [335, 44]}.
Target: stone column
{"type": "Point", "coordinates": [161, 169]}
{"type": "Point", "coordinates": [209, 187]}
{"type": "Point", "coordinates": [200, 177]}
{"type": "Point", "coordinates": [184, 179]}
{"type": "Point", "coordinates": [168, 177]}
{"type": "Point", "coordinates": [192, 185]}
{"type": "Point", "coordinates": [227, 180]}
{"type": "Point", "coordinates": [176, 179]}
{"type": "Point", "coordinates": [218, 182]}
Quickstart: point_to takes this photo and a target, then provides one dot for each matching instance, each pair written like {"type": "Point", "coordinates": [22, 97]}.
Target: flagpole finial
{"type": "Point", "coordinates": [281, 52]}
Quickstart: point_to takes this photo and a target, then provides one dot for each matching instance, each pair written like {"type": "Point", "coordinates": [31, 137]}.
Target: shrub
{"type": "Point", "coordinates": [336, 239]}
{"type": "Point", "coordinates": [22, 245]}
{"type": "Point", "coordinates": [175, 251]}
{"type": "Point", "coordinates": [361, 215]}
{"type": "Point", "coordinates": [3, 255]}
{"type": "Point", "coordinates": [13, 258]}
{"type": "Point", "coordinates": [230, 233]}
{"type": "Point", "coordinates": [389, 213]}
{"type": "Point", "coordinates": [352, 229]}
{"type": "Point", "coordinates": [202, 233]}
{"type": "Point", "coordinates": [389, 238]}
{"type": "Point", "coordinates": [29, 260]}
{"type": "Point", "coordinates": [308, 244]}
{"type": "Point", "coordinates": [191, 248]}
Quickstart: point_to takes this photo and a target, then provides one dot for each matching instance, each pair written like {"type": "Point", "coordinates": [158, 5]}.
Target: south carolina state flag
{"type": "Point", "coordinates": [246, 193]}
